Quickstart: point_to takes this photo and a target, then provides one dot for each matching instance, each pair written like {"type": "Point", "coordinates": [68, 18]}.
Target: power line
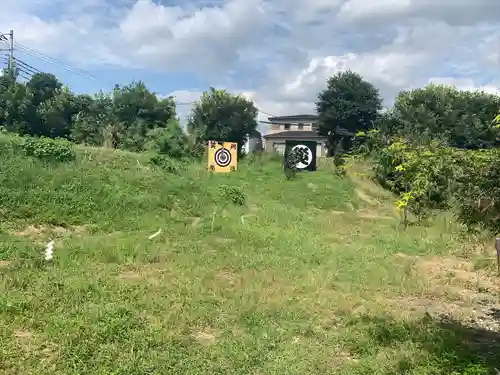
{"type": "Point", "coordinates": [60, 64]}
{"type": "Point", "coordinates": [24, 66]}
{"type": "Point", "coordinates": [28, 69]}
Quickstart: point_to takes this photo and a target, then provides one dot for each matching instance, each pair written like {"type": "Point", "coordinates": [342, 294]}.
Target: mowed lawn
{"type": "Point", "coordinates": [310, 276]}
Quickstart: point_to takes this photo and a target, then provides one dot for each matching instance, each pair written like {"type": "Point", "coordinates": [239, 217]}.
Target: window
{"type": "Point", "coordinates": [287, 126]}
{"type": "Point", "coordinates": [301, 126]}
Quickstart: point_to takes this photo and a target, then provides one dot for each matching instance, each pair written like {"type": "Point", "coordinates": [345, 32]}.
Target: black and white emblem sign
{"type": "Point", "coordinates": [306, 150]}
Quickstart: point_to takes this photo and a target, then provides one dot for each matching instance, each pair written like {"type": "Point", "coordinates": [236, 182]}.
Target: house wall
{"type": "Point", "coordinates": [253, 144]}
{"type": "Point", "coordinates": [278, 145]}
{"type": "Point", "coordinates": [279, 126]}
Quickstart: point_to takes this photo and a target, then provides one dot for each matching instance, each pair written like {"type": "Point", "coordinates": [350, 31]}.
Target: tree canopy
{"type": "Point", "coordinates": [219, 115]}
{"type": "Point", "coordinates": [462, 119]}
{"type": "Point", "coordinates": [347, 105]}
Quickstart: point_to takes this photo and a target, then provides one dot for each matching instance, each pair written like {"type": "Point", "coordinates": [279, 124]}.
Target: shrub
{"type": "Point", "coordinates": [294, 157]}
{"type": "Point", "coordinates": [232, 194]}
{"type": "Point", "coordinates": [174, 166]}
{"type": "Point", "coordinates": [58, 149]}
{"type": "Point", "coordinates": [477, 189]}
{"type": "Point", "coordinates": [421, 175]}
{"type": "Point", "coordinates": [170, 141]}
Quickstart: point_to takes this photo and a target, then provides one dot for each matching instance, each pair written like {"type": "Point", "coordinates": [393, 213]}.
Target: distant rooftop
{"type": "Point", "coordinates": [294, 118]}
{"type": "Point", "coordinates": [294, 134]}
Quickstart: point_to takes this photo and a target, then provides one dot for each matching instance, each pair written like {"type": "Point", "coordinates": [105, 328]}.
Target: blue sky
{"type": "Point", "coordinates": [279, 53]}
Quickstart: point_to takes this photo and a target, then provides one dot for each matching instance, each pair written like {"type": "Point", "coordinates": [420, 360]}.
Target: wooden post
{"type": "Point", "coordinates": [497, 247]}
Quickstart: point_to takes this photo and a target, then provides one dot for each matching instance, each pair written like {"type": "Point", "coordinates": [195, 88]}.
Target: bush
{"type": "Point", "coordinates": [294, 157]}
{"type": "Point", "coordinates": [174, 166]}
{"type": "Point", "coordinates": [478, 190]}
{"type": "Point", "coordinates": [170, 141]}
{"type": "Point", "coordinates": [232, 194]}
{"type": "Point", "coordinates": [421, 175]}
{"type": "Point", "coordinates": [45, 148]}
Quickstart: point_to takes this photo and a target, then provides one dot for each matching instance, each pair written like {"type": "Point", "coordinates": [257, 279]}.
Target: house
{"type": "Point", "coordinates": [296, 127]}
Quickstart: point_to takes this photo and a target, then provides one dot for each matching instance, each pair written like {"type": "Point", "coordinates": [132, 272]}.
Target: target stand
{"type": "Point", "coordinates": [222, 156]}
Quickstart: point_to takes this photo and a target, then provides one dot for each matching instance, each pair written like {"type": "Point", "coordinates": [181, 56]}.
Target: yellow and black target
{"type": "Point", "coordinates": [222, 156]}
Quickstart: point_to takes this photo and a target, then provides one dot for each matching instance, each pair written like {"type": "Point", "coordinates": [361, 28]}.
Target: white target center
{"type": "Point", "coordinates": [307, 160]}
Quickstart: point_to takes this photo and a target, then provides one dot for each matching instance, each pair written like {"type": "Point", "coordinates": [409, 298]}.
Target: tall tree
{"type": "Point", "coordinates": [138, 111]}
{"type": "Point", "coordinates": [347, 105]}
{"type": "Point", "coordinates": [95, 120]}
{"type": "Point", "coordinates": [221, 116]}
{"type": "Point", "coordinates": [460, 118]}
{"type": "Point", "coordinates": [55, 114]}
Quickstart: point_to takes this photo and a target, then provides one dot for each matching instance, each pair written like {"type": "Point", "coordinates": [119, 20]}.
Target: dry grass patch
{"type": "Point", "coordinates": [206, 336]}
{"type": "Point", "coordinates": [150, 275]}
{"type": "Point", "coordinates": [45, 231]}
{"type": "Point", "coordinates": [365, 197]}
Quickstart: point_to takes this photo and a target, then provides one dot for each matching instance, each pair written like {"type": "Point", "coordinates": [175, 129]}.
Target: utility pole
{"type": "Point", "coordinates": [11, 51]}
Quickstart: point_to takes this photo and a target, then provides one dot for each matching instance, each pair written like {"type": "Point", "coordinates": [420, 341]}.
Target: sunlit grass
{"type": "Point", "coordinates": [314, 280]}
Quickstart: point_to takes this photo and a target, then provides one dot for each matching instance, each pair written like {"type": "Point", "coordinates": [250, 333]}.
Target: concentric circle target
{"type": "Point", "coordinates": [222, 157]}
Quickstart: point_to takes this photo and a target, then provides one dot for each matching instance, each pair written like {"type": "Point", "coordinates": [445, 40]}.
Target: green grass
{"type": "Point", "coordinates": [314, 280]}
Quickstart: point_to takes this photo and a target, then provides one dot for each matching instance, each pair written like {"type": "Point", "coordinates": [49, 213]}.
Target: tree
{"type": "Point", "coordinates": [349, 104]}
{"type": "Point", "coordinates": [170, 141]}
{"type": "Point", "coordinates": [13, 103]}
{"type": "Point", "coordinates": [55, 114]}
{"type": "Point", "coordinates": [138, 111]}
{"type": "Point", "coordinates": [220, 116]}
{"type": "Point", "coordinates": [94, 123]}
{"type": "Point", "coordinates": [460, 118]}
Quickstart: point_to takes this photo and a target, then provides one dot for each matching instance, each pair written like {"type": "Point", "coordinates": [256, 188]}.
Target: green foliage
{"type": "Point", "coordinates": [460, 118]}
{"type": "Point", "coordinates": [45, 148]}
{"type": "Point", "coordinates": [232, 194]}
{"type": "Point", "coordinates": [294, 157]}
{"type": "Point", "coordinates": [478, 189]}
{"type": "Point", "coordinates": [220, 116]}
{"type": "Point", "coordinates": [170, 141]}
{"type": "Point", "coordinates": [420, 175]}
{"type": "Point", "coordinates": [168, 164]}
{"type": "Point", "coordinates": [93, 121]}
{"type": "Point", "coordinates": [348, 104]}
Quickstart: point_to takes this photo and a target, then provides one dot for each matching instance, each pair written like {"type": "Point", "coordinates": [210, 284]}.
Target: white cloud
{"type": "Point", "coordinates": [277, 52]}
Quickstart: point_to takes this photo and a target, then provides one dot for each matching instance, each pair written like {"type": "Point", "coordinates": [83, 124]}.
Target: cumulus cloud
{"type": "Point", "coordinates": [279, 52]}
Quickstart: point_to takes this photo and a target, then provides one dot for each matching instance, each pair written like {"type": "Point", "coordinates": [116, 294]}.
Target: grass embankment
{"type": "Point", "coordinates": [318, 277]}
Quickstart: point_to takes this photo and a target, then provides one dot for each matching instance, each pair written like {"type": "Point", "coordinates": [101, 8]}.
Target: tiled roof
{"type": "Point", "coordinates": [295, 134]}
{"type": "Point", "coordinates": [294, 118]}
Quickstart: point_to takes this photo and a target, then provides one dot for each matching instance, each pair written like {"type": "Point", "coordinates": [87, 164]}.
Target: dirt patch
{"type": "Point", "coordinates": [333, 212]}
{"type": "Point", "coordinates": [365, 197]}
{"type": "Point", "coordinates": [37, 231]}
{"type": "Point", "coordinates": [23, 337]}
{"type": "Point", "coordinates": [205, 337]}
{"type": "Point", "coordinates": [451, 288]}
{"type": "Point", "coordinates": [458, 272]}
{"type": "Point", "coordinates": [228, 277]}
{"type": "Point", "coordinates": [253, 208]}
{"type": "Point", "coordinates": [149, 274]}
{"type": "Point", "coordinates": [5, 263]}
{"type": "Point", "coordinates": [196, 222]}
{"type": "Point", "coordinates": [223, 241]}
{"type": "Point", "coordinates": [373, 216]}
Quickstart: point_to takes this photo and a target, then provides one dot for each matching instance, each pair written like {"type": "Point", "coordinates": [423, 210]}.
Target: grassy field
{"type": "Point", "coordinates": [311, 276]}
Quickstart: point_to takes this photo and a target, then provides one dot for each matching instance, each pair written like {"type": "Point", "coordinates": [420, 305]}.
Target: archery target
{"type": "Point", "coordinates": [222, 157]}
{"type": "Point", "coordinates": [308, 160]}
